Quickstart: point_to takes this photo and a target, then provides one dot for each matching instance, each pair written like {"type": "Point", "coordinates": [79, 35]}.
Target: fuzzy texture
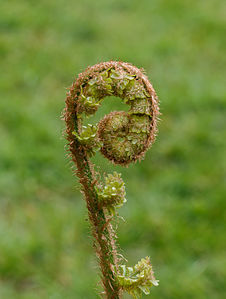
{"type": "Point", "coordinates": [121, 137]}
{"type": "Point", "coordinates": [130, 84]}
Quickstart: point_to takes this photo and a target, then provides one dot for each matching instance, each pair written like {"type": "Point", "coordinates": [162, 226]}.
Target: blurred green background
{"type": "Point", "coordinates": [176, 197]}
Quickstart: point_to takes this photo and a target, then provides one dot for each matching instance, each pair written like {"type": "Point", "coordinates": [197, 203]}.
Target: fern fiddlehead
{"type": "Point", "coordinates": [122, 137]}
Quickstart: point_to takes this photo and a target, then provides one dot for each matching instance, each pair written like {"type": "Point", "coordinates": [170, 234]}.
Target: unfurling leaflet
{"type": "Point", "coordinates": [121, 137]}
{"type": "Point", "coordinates": [137, 279]}
{"type": "Point", "coordinates": [112, 195]}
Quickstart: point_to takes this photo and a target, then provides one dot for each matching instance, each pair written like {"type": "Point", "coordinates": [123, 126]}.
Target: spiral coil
{"type": "Point", "coordinates": [124, 136]}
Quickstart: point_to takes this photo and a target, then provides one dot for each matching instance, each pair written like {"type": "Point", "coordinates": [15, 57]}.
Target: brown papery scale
{"type": "Point", "coordinates": [122, 137]}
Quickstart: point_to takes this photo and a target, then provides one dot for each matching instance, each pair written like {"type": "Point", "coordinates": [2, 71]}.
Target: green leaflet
{"type": "Point", "coordinates": [100, 86]}
{"type": "Point", "coordinates": [112, 194]}
{"type": "Point", "coordinates": [89, 104]}
{"type": "Point", "coordinates": [138, 279]}
{"type": "Point", "coordinates": [88, 138]}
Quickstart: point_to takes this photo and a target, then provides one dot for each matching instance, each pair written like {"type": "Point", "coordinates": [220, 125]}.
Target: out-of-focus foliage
{"type": "Point", "coordinates": [176, 212]}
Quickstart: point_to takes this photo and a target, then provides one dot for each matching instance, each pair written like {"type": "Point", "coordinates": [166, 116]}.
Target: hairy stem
{"type": "Point", "coordinates": [102, 230]}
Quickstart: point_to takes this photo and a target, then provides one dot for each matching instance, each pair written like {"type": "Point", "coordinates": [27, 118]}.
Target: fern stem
{"type": "Point", "coordinates": [122, 138]}
{"type": "Point", "coordinates": [102, 230]}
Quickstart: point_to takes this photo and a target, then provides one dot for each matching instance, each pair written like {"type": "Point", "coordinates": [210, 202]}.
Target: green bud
{"type": "Point", "coordinates": [137, 279]}
{"type": "Point", "coordinates": [112, 194]}
{"type": "Point", "coordinates": [88, 138]}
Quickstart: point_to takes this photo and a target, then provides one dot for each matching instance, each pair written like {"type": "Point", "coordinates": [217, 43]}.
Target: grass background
{"type": "Point", "coordinates": [176, 197]}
